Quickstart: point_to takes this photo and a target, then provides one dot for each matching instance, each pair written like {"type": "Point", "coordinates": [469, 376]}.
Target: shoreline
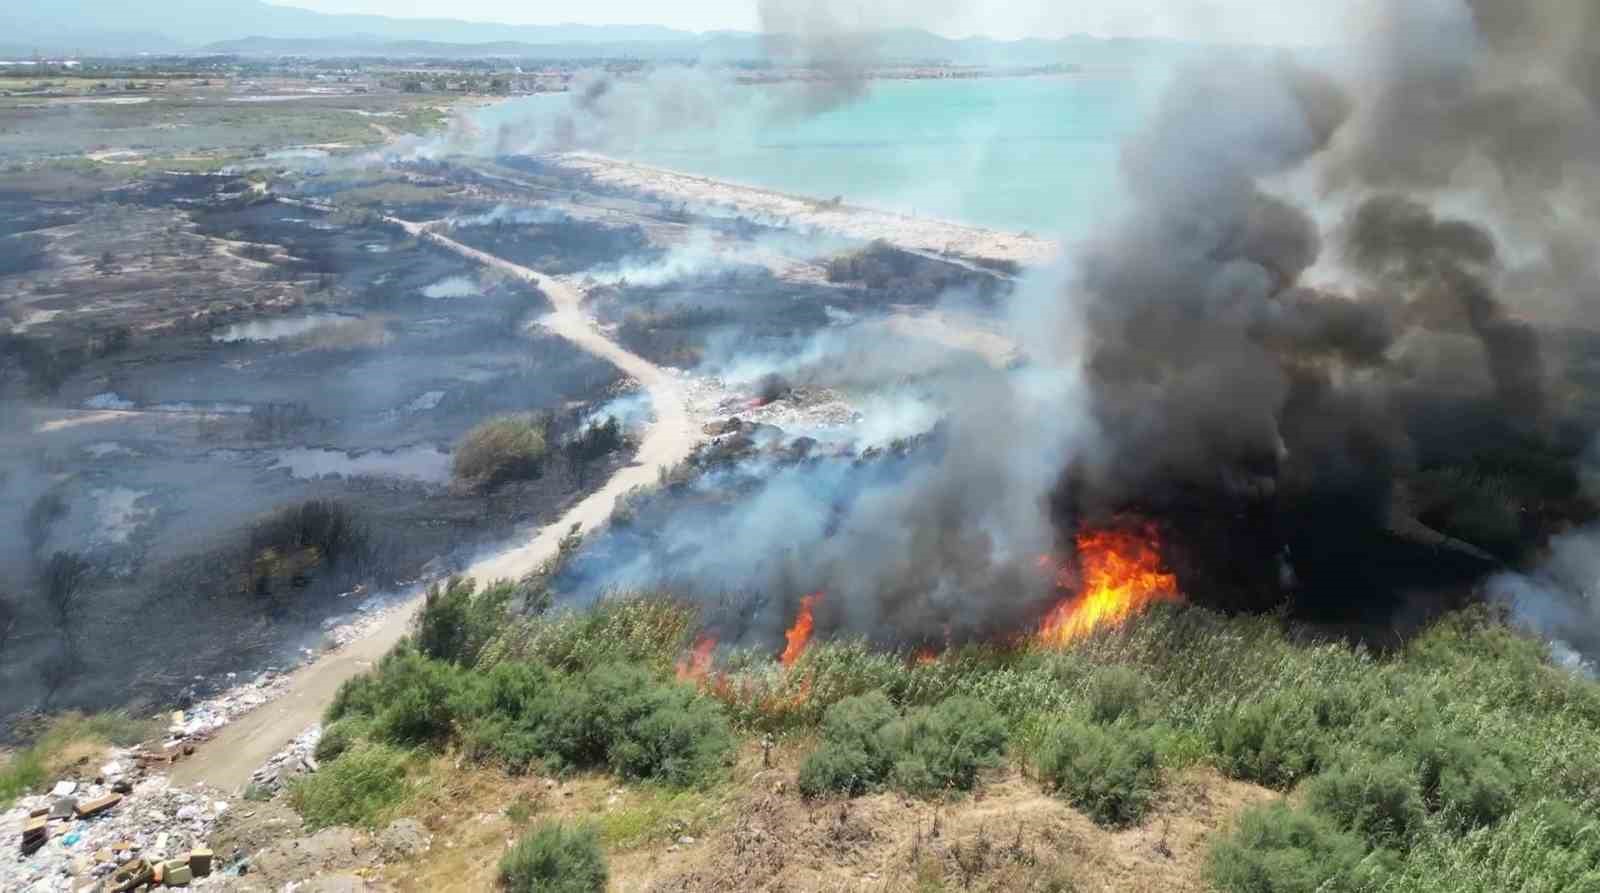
{"type": "Point", "coordinates": [914, 233]}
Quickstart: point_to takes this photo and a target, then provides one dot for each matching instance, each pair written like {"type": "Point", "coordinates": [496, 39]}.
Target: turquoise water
{"type": "Point", "coordinates": [1027, 154]}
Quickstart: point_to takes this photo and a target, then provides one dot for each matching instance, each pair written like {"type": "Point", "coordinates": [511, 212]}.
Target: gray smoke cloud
{"type": "Point", "coordinates": [1229, 336]}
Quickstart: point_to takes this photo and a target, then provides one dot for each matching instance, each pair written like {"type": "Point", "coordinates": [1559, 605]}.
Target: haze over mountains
{"type": "Point", "coordinates": [111, 27]}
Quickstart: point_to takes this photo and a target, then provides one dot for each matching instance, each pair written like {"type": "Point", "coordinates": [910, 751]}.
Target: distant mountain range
{"type": "Point", "coordinates": [253, 27]}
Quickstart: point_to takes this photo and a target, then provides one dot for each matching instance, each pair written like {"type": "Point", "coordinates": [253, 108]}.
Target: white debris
{"type": "Point", "coordinates": [290, 763]}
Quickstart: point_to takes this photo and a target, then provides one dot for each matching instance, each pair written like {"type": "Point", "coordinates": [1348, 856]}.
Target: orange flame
{"type": "Point", "coordinates": [696, 665]}
{"type": "Point", "coordinates": [1120, 574]}
{"type": "Point", "coordinates": [799, 635]}
{"type": "Point", "coordinates": [924, 656]}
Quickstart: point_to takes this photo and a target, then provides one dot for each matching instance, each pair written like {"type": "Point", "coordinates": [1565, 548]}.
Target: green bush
{"type": "Point", "coordinates": [1276, 849]}
{"type": "Point", "coordinates": [1460, 780]}
{"type": "Point", "coordinates": [1115, 692]}
{"type": "Point", "coordinates": [1379, 801]}
{"type": "Point", "coordinates": [618, 715]}
{"type": "Point", "coordinates": [866, 743]}
{"type": "Point", "coordinates": [340, 737]}
{"type": "Point", "coordinates": [642, 728]}
{"type": "Point", "coordinates": [554, 859]}
{"type": "Point", "coordinates": [942, 748]}
{"type": "Point", "coordinates": [1275, 742]}
{"type": "Point", "coordinates": [357, 788]}
{"type": "Point", "coordinates": [832, 769]}
{"type": "Point", "coordinates": [1111, 774]}
{"type": "Point", "coordinates": [456, 621]}
{"type": "Point", "coordinates": [410, 699]}
{"type": "Point", "coordinates": [512, 711]}
{"type": "Point", "coordinates": [509, 448]}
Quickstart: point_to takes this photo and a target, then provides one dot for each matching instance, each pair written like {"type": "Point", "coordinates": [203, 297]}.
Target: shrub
{"type": "Point", "coordinates": [457, 621]}
{"type": "Point", "coordinates": [357, 788]}
{"type": "Point", "coordinates": [1110, 774]}
{"type": "Point", "coordinates": [1379, 801]}
{"type": "Point", "coordinates": [513, 708]}
{"type": "Point", "coordinates": [855, 756]}
{"type": "Point", "coordinates": [508, 448]}
{"type": "Point", "coordinates": [832, 769]}
{"type": "Point", "coordinates": [554, 859]}
{"type": "Point", "coordinates": [340, 737]}
{"type": "Point", "coordinates": [643, 728]}
{"type": "Point", "coordinates": [410, 699]}
{"type": "Point", "coordinates": [328, 528]}
{"type": "Point", "coordinates": [617, 715]}
{"type": "Point", "coordinates": [942, 748]}
{"type": "Point", "coordinates": [1276, 849]}
{"type": "Point", "coordinates": [1274, 742]}
{"type": "Point", "coordinates": [1115, 692]}
{"type": "Point", "coordinates": [1468, 786]}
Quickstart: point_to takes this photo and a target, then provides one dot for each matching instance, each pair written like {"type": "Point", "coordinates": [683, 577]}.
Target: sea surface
{"type": "Point", "coordinates": [1024, 154]}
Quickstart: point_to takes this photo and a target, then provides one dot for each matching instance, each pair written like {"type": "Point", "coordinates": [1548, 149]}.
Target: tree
{"type": "Point", "coordinates": [61, 583]}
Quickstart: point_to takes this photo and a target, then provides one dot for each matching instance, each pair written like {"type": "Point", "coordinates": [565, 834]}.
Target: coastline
{"type": "Point", "coordinates": [921, 234]}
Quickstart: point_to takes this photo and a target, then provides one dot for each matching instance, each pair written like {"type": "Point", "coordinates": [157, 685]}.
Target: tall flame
{"type": "Point", "coordinates": [799, 635]}
{"type": "Point", "coordinates": [696, 665]}
{"type": "Point", "coordinates": [1120, 573]}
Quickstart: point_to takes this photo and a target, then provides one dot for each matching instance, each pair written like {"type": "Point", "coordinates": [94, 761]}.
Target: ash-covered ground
{"type": "Point", "coordinates": [222, 414]}
{"type": "Point", "coordinates": [232, 398]}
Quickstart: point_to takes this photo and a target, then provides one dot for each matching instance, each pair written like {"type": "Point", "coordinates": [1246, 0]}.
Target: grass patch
{"type": "Point", "coordinates": [363, 786]}
{"type": "Point", "coordinates": [64, 741]}
{"type": "Point", "coordinates": [656, 814]}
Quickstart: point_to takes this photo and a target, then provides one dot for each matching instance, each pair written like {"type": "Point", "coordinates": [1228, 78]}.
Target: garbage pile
{"type": "Point", "coordinates": [122, 830]}
{"type": "Point", "coordinates": [204, 717]}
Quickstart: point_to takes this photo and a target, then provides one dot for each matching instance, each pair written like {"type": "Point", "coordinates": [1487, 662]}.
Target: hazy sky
{"type": "Point", "coordinates": [1258, 21]}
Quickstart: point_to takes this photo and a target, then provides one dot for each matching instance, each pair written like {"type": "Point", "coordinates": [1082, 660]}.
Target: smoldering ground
{"type": "Point", "coordinates": [1304, 388]}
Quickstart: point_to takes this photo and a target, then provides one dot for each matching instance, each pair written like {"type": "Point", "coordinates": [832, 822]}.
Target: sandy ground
{"type": "Point", "coordinates": [240, 748]}
{"type": "Point", "coordinates": [914, 233]}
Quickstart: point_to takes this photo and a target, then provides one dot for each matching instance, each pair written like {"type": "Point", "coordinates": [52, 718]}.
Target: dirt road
{"type": "Point", "coordinates": [229, 759]}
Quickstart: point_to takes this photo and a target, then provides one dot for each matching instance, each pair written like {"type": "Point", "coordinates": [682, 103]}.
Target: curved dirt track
{"type": "Point", "coordinates": [228, 760]}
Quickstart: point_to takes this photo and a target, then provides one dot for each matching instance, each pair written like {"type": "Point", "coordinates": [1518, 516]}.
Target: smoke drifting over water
{"type": "Point", "coordinates": [1259, 372]}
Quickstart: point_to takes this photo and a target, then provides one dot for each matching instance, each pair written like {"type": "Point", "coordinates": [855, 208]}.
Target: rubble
{"type": "Point", "coordinates": [295, 760]}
